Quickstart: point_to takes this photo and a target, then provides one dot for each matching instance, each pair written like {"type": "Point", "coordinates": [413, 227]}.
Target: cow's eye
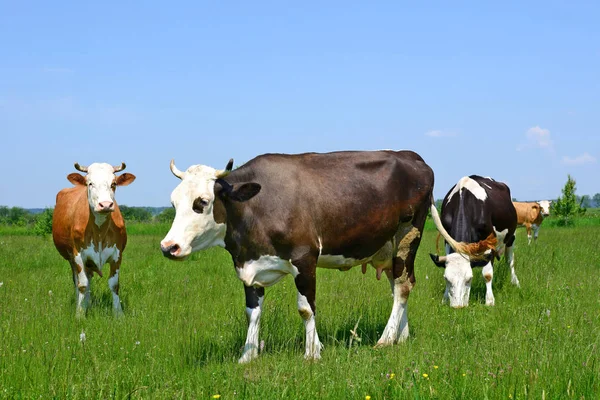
{"type": "Point", "coordinates": [113, 186]}
{"type": "Point", "coordinates": [199, 205]}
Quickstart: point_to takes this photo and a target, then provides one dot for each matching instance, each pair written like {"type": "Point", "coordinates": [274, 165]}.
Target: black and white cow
{"type": "Point", "coordinates": [478, 222]}
{"type": "Point", "coordinates": [288, 214]}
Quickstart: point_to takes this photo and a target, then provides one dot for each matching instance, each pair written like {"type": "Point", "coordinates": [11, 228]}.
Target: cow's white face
{"type": "Point", "coordinates": [458, 275]}
{"type": "Point", "coordinates": [101, 186]}
{"type": "Point", "coordinates": [545, 207]}
{"type": "Point", "coordinates": [101, 183]}
{"type": "Point", "coordinates": [194, 227]}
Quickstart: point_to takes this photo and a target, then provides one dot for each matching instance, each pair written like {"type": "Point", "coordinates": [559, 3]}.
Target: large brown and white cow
{"type": "Point", "coordinates": [530, 215]}
{"type": "Point", "coordinates": [281, 215]}
{"type": "Point", "coordinates": [88, 229]}
{"type": "Point", "coordinates": [478, 223]}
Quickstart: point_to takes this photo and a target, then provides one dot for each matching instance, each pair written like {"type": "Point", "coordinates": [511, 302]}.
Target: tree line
{"type": "Point", "coordinates": [566, 207]}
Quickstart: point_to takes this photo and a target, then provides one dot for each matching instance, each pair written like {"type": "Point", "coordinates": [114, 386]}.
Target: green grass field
{"type": "Point", "coordinates": [185, 324]}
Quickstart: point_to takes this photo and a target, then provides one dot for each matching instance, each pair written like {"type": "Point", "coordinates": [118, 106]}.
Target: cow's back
{"type": "Point", "coordinates": [335, 196]}
{"type": "Point", "coordinates": [471, 219]}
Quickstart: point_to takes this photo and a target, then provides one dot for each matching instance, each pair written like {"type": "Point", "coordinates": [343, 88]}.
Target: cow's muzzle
{"type": "Point", "coordinates": [171, 250]}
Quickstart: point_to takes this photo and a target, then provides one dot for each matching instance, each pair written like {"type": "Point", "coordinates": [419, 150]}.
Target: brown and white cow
{"type": "Point", "coordinates": [282, 214]}
{"type": "Point", "coordinates": [530, 215]}
{"type": "Point", "coordinates": [88, 229]}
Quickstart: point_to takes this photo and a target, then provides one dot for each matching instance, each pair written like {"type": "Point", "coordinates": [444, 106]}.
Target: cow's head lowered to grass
{"type": "Point", "coordinates": [200, 216]}
{"type": "Point", "coordinates": [101, 183]}
{"type": "Point", "coordinates": [458, 271]}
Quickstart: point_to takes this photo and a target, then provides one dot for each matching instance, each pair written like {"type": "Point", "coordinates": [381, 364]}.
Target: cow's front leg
{"type": "Point", "coordinates": [306, 283]}
{"type": "Point", "coordinates": [113, 284]}
{"type": "Point", "coordinates": [82, 277]}
{"type": "Point", "coordinates": [254, 299]}
{"type": "Point", "coordinates": [488, 275]}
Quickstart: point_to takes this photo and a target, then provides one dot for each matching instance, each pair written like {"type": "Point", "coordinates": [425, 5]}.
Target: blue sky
{"type": "Point", "coordinates": [508, 90]}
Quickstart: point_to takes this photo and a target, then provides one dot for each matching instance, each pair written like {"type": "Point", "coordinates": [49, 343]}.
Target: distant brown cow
{"type": "Point", "coordinates": [88, 229]}
{"type": "Point", "coordinates": [530, 215]}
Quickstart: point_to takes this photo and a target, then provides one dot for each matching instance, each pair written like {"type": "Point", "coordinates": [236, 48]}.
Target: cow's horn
{"type": "Point", "coordinates": [227, 170]}
{"type": "Point", "coordinates": [119, 168]}
{"type": "Point", "coordinates": [175, 171]}
{"type": "Point", "coordinates": [80, 167]}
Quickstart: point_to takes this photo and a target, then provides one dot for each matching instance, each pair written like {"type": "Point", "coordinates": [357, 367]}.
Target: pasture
{"type": "Point", "coordinates": [185, 324]}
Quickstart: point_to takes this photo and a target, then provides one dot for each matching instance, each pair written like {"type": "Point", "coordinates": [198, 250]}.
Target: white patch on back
{"type": "Point", "coordinates": [471, 185]}
{"type": "Point", "coordinates": [265, 271]}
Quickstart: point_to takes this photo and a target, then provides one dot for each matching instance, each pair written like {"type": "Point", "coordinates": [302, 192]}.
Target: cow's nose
{"type": "Point", "coordinates": [170, 250]}
{"type": "Point", "coordinates": [106, 205]}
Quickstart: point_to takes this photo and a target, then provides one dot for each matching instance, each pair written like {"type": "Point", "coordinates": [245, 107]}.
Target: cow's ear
{"type": "Point", "coordinates": [76, 179]}
{"type": "Point", "coordinates": [436, 260]}
{"type": "Point", "coordinates": [245, 192]}
{"type": "Point", "coordinates": [125, 179]}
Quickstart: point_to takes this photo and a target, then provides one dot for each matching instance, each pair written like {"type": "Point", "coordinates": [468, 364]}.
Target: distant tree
{"type": "Point", "coordinates": [43, 223]}
{"type": "Point", "coordinates": [167, 216]}
{"type": "Point", "coordinates": [4, 210]}
{"type": "Point", "coordinates": [596, 199]}
{"type": "Point", "coordinates": [585, 201]}
{"type": "Point", "coordinates": [567, 207]}
{"type": "Point", "coordinates": [135, 214]}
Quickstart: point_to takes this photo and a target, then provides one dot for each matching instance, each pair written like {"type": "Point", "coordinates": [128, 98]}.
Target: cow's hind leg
{"type": "Point", "coordinates": [113, 284]}
{"type": "Point", "coordinates": [536, 231]}
{"type": "Point", "coordinates": [306, 285]}
{"type": "Point", "coordinates": [402, 280]}
{"type": "Point", "coordinates": [254, 299]}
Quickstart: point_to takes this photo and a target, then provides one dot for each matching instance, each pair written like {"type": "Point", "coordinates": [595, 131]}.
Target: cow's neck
{"type": "Point", "coordinates": [100, 220]}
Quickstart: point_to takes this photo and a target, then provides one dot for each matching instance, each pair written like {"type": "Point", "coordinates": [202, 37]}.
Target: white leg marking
{"type": "Point", "coordinates": [396, 330]}
{"type": "Point", "coordinates": [113, 284]}
{"type": "Point", "coordinates": [251, 346]}
{"type": "Point", "coordinates": [313, 345]}
{"type": "Point", "coordinates": [510, 258]}
{"type": "Point", "coordinates": [83, 293]}
{"type": "Point", "coordinates": [488, 275]}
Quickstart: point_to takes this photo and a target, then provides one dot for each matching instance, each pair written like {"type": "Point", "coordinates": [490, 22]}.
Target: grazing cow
{"type": "Point", "coordinates": [288, 214]}
{"type": "Point", "coordinates": [88, 229]}
{"type": "Point", "coordinates": [530, 215]}
{"type": "Point", "coordinates": [478, 222]}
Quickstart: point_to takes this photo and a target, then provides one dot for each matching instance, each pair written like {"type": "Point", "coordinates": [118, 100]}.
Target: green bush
{"type": "Point", "coordinates": [566, 208]}
{"type": "Point", "coordinates": [43, 223]}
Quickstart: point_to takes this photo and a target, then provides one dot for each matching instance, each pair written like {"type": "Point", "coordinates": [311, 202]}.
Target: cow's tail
{"type": "Point", "coordinates": [473, 250]}
{"type": "Point", "coordinates": [457, 246]}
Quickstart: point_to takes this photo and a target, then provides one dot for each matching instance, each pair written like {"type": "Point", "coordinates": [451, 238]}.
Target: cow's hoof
{"type": "Point", "coordinates": [249, 355]}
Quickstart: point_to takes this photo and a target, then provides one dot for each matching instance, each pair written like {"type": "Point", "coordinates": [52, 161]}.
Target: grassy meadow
{"type": "Point", "coordinates": [185, 325]}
